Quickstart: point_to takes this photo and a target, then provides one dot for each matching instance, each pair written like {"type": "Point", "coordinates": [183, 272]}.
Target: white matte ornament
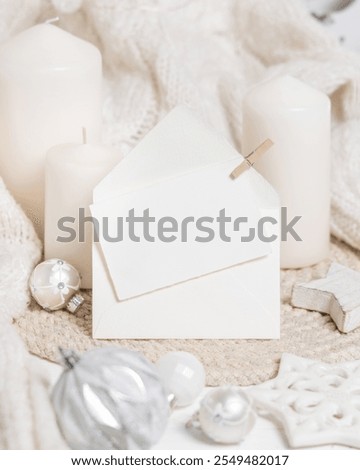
{"type": "Point", "coordinates": [54, 284]}
{"type": "Point", "coordinates": [317, 403]}
{"type": "Point", "coordinates": [182, 375]}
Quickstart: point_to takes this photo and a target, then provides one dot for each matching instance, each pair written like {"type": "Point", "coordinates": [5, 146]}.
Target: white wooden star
{"type": "Point", "coordinates": [317, 403]}
{"type": "Point", "coordinates": [338, 294]}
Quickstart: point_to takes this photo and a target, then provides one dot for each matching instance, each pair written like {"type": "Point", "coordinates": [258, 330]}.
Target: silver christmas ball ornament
{"type": "Point", "coordinates": [54, 284]}
{"type": "Point", "coordinates": [226, 415]}
{"type": "Point", "coordinates": [110, 398]}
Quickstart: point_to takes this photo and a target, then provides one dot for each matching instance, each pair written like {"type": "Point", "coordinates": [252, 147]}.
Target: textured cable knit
{"type": "Point", "coordinates": [26, 416]}
{"type": "Point", "coordinates": [205, 54]}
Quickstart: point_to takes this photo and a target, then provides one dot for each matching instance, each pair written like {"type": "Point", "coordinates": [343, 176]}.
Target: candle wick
{"type": "Point", "coordinates": [84, 136]}
{"type": "Point", "coordinates": [52, 20]}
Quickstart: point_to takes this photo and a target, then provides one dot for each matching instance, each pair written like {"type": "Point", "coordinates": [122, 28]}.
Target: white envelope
{"type": "Point", "coordinates": [185, 290]}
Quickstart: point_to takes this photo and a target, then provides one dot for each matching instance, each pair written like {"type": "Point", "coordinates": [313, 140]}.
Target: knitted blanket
{"type": "Point", "coordinates": [205, 54]}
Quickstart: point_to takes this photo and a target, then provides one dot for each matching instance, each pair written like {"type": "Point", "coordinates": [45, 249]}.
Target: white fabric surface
{"type": "Point", "coordinates": [26, 417]}
{"type": "Point", "coordinates": [202, 53]}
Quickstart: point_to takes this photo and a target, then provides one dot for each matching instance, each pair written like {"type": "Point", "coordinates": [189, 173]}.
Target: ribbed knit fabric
{"type": "Point", "coordinates": [26, 417]}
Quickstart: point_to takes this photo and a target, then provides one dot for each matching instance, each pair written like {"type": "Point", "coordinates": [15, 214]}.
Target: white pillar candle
{"type": "Point", "coordinates": [72, 172]}
{"type": "Point", "coordinates": [296, 117]}
{"type": "Point", "coordinates": [50, 87]}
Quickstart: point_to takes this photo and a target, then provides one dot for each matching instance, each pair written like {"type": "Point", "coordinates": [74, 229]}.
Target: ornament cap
{"type": "Point", "coordinates": [172, 400]}
{"type": "Point", "coordinates": [75, 303]}
{"type": "Point", "coordinates": [69, 357]}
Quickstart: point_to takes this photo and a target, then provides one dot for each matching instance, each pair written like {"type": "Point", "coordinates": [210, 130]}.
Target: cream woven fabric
{"type": "Point", "coordinates": [244, 362]}
{"type": "Point", "coordinates": [205, 54]}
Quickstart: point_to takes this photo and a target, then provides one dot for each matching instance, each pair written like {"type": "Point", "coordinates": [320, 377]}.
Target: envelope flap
{"type": "Point", "coordinates": [213, 227]}
{"type": "Point", "coordinates": [180, 143]}
{"type": "Point", "coordinates": [179, 170]}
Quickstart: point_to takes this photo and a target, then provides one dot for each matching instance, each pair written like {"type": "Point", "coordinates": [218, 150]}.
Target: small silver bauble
{"type": "Point", "coordinates": [226, 415]}
{"type": "Point", "coordinates": [54, 284]}
{"type": "Point", "coordinates": [110, 398]}
{"type": "Point", "coordinates": [183, 377]}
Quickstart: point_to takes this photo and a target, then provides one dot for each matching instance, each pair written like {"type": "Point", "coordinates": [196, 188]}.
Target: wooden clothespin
{"type": "Point", "coordinates": [251, 159]}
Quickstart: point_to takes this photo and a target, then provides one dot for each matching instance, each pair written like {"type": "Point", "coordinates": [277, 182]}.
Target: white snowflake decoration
{"type": "Point", "coordinates": [317, 403]}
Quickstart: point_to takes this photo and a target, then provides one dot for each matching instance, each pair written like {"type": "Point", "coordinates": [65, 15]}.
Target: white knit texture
{"type": "Point", "coordinates": [24, 392]}
{"type": "Point", "coordinates": [207, 54]}
{"type": "Point", "coordinates": [202, 53]}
